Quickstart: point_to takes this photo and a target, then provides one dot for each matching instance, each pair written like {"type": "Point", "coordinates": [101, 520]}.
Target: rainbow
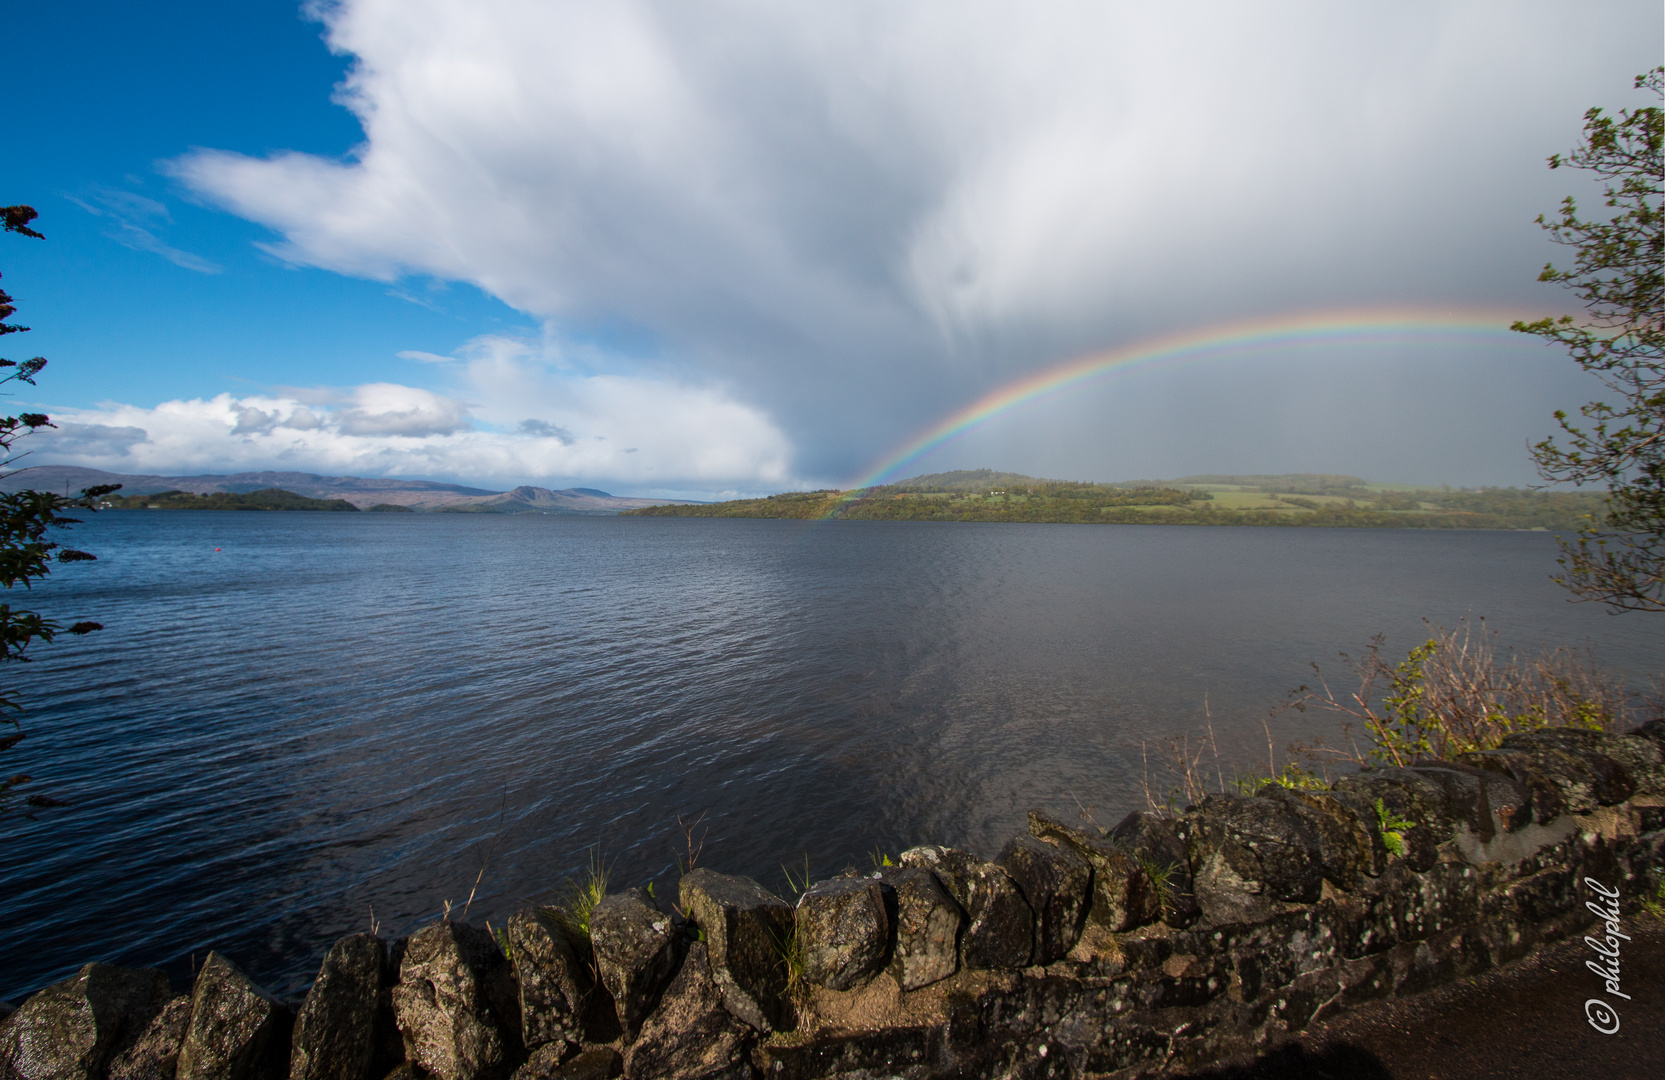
{"type": "Point", "coordinates": [1423, 325]}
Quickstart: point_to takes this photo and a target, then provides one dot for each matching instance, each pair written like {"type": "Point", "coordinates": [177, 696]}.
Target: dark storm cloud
{"type": "Point", "coordinates": [862, 215]}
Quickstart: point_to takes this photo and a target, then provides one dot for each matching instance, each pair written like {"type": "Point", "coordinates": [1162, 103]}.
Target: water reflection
{"type": "Point", "coordinates": [329, 716]}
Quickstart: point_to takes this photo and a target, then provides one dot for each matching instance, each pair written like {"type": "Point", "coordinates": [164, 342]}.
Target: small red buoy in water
{"type": "Point", "coordinates": [216, 549]}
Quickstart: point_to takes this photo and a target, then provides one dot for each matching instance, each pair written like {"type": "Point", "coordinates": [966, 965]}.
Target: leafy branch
{"type": "Point", "coordinates": [26, 550]}
{"type": "Point", "coordinates": [1618, 271]}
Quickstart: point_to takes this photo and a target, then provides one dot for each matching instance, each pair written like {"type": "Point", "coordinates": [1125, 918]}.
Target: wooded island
{"type": "Point", "coordinates": [268, 499]}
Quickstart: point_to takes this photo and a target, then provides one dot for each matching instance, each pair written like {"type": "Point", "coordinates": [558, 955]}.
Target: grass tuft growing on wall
{"type": "Point", "coordinates": [579, 897]}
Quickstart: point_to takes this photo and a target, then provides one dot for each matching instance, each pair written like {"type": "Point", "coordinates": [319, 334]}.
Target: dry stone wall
{"type": "Point", "coordinates": [1162, 944]}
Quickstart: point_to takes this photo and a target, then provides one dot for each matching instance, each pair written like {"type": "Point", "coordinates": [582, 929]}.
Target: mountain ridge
{"type": "Point", "coordinates": [362, 492]}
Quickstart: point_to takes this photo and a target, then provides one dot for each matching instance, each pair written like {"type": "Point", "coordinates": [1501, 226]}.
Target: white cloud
{"type": "Point", "coordinates": [391, 409]}
{"type": "Point", "coordinates": [522, 423]}
{"type": "Point", "coordinates": [866, 212]}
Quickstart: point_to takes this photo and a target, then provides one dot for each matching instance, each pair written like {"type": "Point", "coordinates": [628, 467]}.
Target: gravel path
{"type": "Point", "coordinates": [1524, 1020]}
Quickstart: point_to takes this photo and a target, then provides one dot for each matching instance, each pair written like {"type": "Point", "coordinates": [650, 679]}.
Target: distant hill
{"type": "Point", "coordinates": [265, 499]}
{"type": "Point", "coordinates": [968, 480]}
{"type": "Point", "coordinates": [964, 495]}
{"type": "Point", "coordinates": [537, 500]}
{"type": "Point", "coordinates": [74, 478]}
{"type": "Point", "coordinates": [362, 492]}
{"type": "Point", "coordinates": [1308, 499]}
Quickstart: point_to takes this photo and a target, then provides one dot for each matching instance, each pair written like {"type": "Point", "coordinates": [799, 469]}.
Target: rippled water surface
{"type": "Point", "coordinates": [295, 720]}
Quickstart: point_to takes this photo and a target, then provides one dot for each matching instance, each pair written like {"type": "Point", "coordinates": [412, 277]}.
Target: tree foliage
{"type": "Point", "coordinates": [27, 551]}
{"type": "Point", "coordinates": [1618, 271]}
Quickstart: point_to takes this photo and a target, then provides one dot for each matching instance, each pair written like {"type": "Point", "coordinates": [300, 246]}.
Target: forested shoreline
{"type": "Point", "coordinates": [268, 499]}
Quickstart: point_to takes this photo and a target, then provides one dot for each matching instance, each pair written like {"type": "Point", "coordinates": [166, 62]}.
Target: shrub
{"type": "Point", "coordinates": [1454, 693]}
{"type": "Point", "coordinates": [1451, 694]}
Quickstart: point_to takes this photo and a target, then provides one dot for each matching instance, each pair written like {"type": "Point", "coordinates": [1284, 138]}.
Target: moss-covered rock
{"type": "Point", "coordinates": [237, 1031]}
{"type": "Point", "coordinates": [843, 931]}
{"type": "Point", "coordinates": [335, 1029]}
{"type": "Point", "coordinates": [1000, 927]}
{"type": "Point", "coordinates": [746, 929]}
{"type": "Point", "coordinates": [71, 1029]}
{"type": "Point", "coordinates": [456, 1003]}
{"type": "Point", "coordinates": [636, 952]}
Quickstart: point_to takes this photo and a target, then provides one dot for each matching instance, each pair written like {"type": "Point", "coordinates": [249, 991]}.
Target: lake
{"type": "Point", "coordinates": [294, 724]}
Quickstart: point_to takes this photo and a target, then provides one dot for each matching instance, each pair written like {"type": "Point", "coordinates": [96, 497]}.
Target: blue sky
{"type": "Point", "coordinates": [115, 90]}
{"type": "Point", "coordinates": [659, 251]}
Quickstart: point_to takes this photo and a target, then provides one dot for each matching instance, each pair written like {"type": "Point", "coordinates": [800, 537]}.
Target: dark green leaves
{"type": "Point", "coordinates": [26, 548]}
{"type": "Point", "coordinates": [1618, 271]}
{"type": "Point", "coordinates": [17, 218]}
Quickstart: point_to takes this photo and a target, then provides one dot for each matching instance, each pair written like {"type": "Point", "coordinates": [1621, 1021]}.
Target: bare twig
{"type": "Point", "coordinates": [1214, 746]}
{"type": "Point", "coordinates": [485, 861]}
{"type": "Point", "coordinates": [695, 850]}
